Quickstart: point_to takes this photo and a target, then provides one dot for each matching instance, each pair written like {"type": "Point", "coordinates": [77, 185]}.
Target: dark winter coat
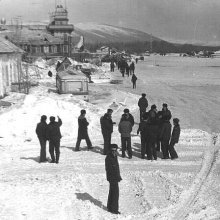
{"type": "Point", "coordinates": [53, 131]}
{"type": "Point", "coordinates": [41, 130]}
{"type": "Point", "coordinates": [106, 124]}
{"type": "Point", "coordinates": [153, 133]}
{"type": "Point", "coordinates": [131, 119]}
{"type": "Point", "coordinates": [175, 134]}
{"type": "Point", "coordinates": [134, 78]}
{"type": "Point", "coordinates": [165, 131]}
{"type": "Point", "coordinates": [143, 104]}
{"type": "Point", "coordinates": [166, 115]}
{"type": "Point", "coordinates": [153, 117]}
{"type": "Point", "coordinates": [132, 67]}
{"type": "Point", "coordinates": [125, 128]}
{"type": "Point", "coordinates": [112, 168]}
{"type": "Point", "coordinates": [82, 129]}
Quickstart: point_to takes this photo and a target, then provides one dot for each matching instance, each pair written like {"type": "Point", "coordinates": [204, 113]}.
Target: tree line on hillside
{"type": "Point", "coordinates": [154, 46]}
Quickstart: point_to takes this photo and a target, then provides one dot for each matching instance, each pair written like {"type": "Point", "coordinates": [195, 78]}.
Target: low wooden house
{"type": "Point", "coordinates": [10, 69]}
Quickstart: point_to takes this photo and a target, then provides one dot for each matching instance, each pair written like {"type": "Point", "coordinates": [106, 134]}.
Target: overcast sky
{"type": "Point", "coordinates": [187, 20]}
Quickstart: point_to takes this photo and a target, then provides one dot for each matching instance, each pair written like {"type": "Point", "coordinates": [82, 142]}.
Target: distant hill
{"type": "Point", "coordinates": [94, 32]}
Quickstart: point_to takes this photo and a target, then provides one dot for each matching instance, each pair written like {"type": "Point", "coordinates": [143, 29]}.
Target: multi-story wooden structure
{"type": "Point", "coordinates": [59, 22]}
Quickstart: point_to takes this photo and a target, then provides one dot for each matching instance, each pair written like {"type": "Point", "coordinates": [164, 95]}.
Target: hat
{"type": "Point", "coordinates": [153, 106]}
{"type": "Point", "coordinates": [143, 94]}
{"type": "Point", "coordinates": [126, 110]}
{"type": "Point", "coordinates": [113, 146]}
{"type": "Point", "coordinates": [164, 105]}
{"type": "Point", "coordinates": [43, 117]}
{"type": "Point", "coordinates": [83, 111]}
{"type": "Point", "coordinates": [176, 120]}
{"type": "Point", "coordinates": [109, 110]}
{"type": "Point", "coordinates": [52, 118]}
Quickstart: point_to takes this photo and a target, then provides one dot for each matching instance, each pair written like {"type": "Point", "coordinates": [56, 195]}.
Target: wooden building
{"type": "Point", "coordinates": [10, 69]}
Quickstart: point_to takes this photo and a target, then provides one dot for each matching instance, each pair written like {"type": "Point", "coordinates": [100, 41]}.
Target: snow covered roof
{"type": "Point", "coordinates": [71, 75]}
{"type": "Point", "coordinates": [8, 47]}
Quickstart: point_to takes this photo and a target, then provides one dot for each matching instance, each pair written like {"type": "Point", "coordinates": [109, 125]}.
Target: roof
{"type": "Point", "coordinates": [71, 75]}
{"type": "Point", "coordinates": [8, 47]}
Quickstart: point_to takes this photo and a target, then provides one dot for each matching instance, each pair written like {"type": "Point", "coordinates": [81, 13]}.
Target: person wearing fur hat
{"type": "Point", "coordinates": [153, 116]}
{"type": "Point", "coordinates": [41, 131]}
{"type": "Point", "coordinates": [113, 177]}
{"type": "Point", "coordinates": [174, 139]}
{"type": "Point", "coordinates": [54, 136]}
{"type": "Point", "coordinates": [166, 113]}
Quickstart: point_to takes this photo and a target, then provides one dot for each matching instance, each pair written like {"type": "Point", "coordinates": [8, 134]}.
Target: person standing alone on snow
{"type": "Point", "coordinates": [41, 131]}
{"type": "Point", "coordinates": [83, 131]}
{"type": "Point", "coordinates": [113, 177]}
{"type": "Point", "coordinates": [54, 136]}
{"type": "Point", "coordinates": [133, 80]}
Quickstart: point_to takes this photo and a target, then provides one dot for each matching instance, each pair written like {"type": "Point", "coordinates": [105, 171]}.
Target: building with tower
{"type": "Point", "coordinates": [59, 22]}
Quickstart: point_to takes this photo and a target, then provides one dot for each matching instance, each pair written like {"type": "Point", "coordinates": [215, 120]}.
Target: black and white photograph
{"type": "Point", "coordinates": [110, 109]}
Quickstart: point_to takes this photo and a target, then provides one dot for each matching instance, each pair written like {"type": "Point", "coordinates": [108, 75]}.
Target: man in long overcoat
{"type": "Point", "coordinates": [113, 177]}
{"type": "Point", "coordinates": [142, 104]}
{"type": "Point", "coordinates": [41, 131]}
{"type": "Point", "coordinates": [83, 131]}
{"type": "Point", "coordinates": [54, 136]}
{"type": "Point", "coordinates": [164, 136]}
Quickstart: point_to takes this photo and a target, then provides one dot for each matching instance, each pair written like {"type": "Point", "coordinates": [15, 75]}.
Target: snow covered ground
{"type": "Point", "coordinates": [76, 188]}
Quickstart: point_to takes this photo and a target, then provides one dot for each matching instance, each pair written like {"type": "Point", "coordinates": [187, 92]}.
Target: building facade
{"type": "Point", "coordinates": [10, 68]}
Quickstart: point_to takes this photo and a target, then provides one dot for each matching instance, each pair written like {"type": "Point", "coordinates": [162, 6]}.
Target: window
{"type": "Point", "coordinates": [38, 49]}
{"type": "Point", "coordinates": [65, 48]}
{"type": "Point", "coordinates": [46, 49]}
{"type": "Point", "coordinates": [74, 86]}
{"type": "Point", "coordinates": [54, 49]}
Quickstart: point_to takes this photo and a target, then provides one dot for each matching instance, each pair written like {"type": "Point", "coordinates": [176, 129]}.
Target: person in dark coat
{"type": "Point", "coordinates": [50, 74]}
{"type": "Point", "coordinates": [142, 129]}
{"type": "Point", "coordinates": [153, 116]}
{"type": "Point", "coordinates": [143, 104]}
{"type": "Point", "coordinates": [132, 67]}
{"type": "Point", "coordinates": [112, 66]}
{"type": "Point", "coordinates": [127, 69]}
{"type": "Point", "coordinates": [41, 131]}
{"type": "Point", "coordinates": [130, 116]}
{"type": "Point", "coordinates": [83, 131]}
{"type": "Point", "coordinates": [54, 136]}
{"type": "Point", "coordinates": [174, 139]}
{"type": "Point", "coordinates": [166, 114]}
{"type": "Point", "coordinates": [133, 80]}
{"type": "Point", "coordinates": [113, 177]}
{"type": "Point", "coordinates": [125, 129]}
{"type": "Point", "coordinates": [164, 135]}
{"type": "Point", "coordinates": [107, 129]}
{"type": "Point", "coordinates": [152, 136]}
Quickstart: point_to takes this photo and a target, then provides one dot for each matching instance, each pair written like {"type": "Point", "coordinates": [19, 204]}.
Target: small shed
{"type": "Point", "coordinates": [73, 82]}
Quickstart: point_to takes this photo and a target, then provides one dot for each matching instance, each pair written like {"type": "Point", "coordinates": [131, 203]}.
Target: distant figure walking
{"type": "Point", "coordinates": [83, 131]}
{"type": "Point", "coordinates": [136, 60]}
{"type": "Point", "coordinates": [132, 67]}
{"type": "Point", "coordinates": [112, 66]}
{"type": "Point", "coordinates": [41, 131]}
{"type": "Point", "coordinates": [174, 139]}
{"type": "Point", "coordinates": [113, 177]}
{"type": "Point", "coordinates": [127, 69]}
{"type": "Point", "coordinates": [133, 80]}
{"type": "Point", "coordinates": [143, 104]}
{"type": "Point", "coordinates": [125, 129]}
{"type": "Point", "coordinates": [54, 136]}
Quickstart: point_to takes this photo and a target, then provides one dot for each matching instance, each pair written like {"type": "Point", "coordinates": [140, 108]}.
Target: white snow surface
{"type": "Point", "coordinates": [76, 188]}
